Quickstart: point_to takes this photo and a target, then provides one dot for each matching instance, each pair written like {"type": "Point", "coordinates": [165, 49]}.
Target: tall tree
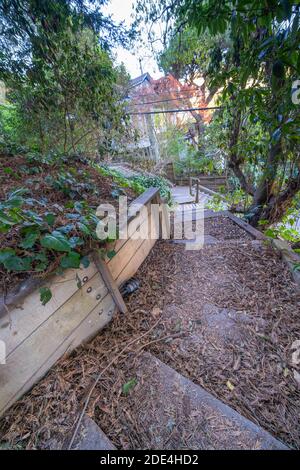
{"type": "Point", "coordinates": [56, 63]}
{"type": "Point", "coordinates": [256, 73]}
{"type": "Point", "coordinates": [186, 57]}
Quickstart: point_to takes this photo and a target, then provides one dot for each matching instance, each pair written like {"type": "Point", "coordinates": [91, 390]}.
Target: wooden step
{"type": "Point", "coordinates": [179, 414]}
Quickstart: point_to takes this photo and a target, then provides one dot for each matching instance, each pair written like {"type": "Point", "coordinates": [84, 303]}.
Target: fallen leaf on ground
{"type": "Point", "coordinates": [155, 312]}
{"type": "Point", "coordinates": [230, 385]}
{"type": "Point", "coordinates": [129, 386]}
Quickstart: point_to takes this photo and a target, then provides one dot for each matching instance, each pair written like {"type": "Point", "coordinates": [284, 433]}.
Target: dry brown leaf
{"type": "Point", "coordinates": [230, 385]}
{"type": "Point", "coordinates": [155, 312]}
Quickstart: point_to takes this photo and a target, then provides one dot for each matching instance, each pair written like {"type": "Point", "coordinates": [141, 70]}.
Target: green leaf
{"type": "Point", "coordinates": [34, 217]}
{"type": "Point", "coordinates": [29, 240]}
{"type": "Point", "coordinates": [18, 192]}
{"type": "Point", "coordinates": [14, 203]}
{"type": "Point", "coordinates": [56, 241]}
{"type": "Point", "coordinates": [72, 216]}
{"type": "Point", "coordinates": [83, 228]}
{"type": "Point", "coordinates": [263, 222]}
{"type": "Point", "coordinates": [49, 218]}
{"type": "Point", "coordinates": [66, 228]}
{"type": "Point", "coordinates": [43, 261]}
{"type": "Point", "coordinates": [76, 241]}
{"type": "Point", "coordinates": [78, 206]}
{"type": "Point", "coordinates": [296, 267]}
{"type": "Point", "coordinates": [6, 253]}
{"type": "Point", "coordinates": [8, 170]}
{"type": "Point", "coordinates": [128, 386]}
{"type": "Point", "coordinates": [45, 295]}
{"type": "Point", "coordinates": [15, 198]}
{"type": "Point", "coordinates": [270, 233]}
{"type": "Point", "coordinates": [6, 219]}
{"type": "Point", "coordinates": [263, 53]}
{"type": "Point", "coordinates": [276, 135]}
{"type": "Point", "coordinates": [18, 264]}
{"type": "Point", "coordinates": [71, 260]}
{"type": "Point", "coordinates": [110, 254]}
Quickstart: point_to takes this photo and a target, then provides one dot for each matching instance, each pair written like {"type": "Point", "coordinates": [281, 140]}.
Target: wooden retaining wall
{"type": "Point", "coordinates": [213, 182]}
{"type": "Point", "coordinates": [36, 336]}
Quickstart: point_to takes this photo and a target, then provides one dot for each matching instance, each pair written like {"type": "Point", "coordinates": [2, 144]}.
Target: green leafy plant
{"type": "Point", "coordinates": [139, 183]}
{"type": "Point", "coordinates": [120, 179]}
{"type": "Point", "coordinates": [128, 386]}
{"type": "Point", "coordinates": [38, 243]}
{"type": "Point", "coordinates": [45, 295]}
{"type": "Point", "coordinates": [153, 181]}
{"type": "Point", "coordinates": [296, 267]}
{"type": "Point", "coordinates": [61, 81]}
{"type": "Point", "coordinates": [216, 204]}
{"type": "Point", "coordinates": [286, 229]}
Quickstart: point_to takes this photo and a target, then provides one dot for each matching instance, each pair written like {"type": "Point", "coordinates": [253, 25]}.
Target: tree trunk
{"type": "Point", "coordinates": [152, 138]}
{"type": "Point", "coordinates": [263, 193]}
{"type": "Point", "coordinates": [277, 205]}
{"type": "Point", "coordinates": [199, 124]}
{"type": "Point", "coordinates": [234, 161]}
{"type": "Point", "coordinates": [197, 116]}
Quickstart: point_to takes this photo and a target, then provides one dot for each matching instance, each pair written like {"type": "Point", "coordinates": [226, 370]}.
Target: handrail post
{"type": "Point", "coordinates": [197, 192]}
{"type": "Point", "coordinates": [190, 184]}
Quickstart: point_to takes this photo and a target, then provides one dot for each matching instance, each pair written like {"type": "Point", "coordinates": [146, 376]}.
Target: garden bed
{"type": "Point", "coordinates": [82, 303]}
{"type": "Point", "coordinates": [40, 196]}
{"type": "Point", "coordinates": [223, 228]}
{"type": "Point", "coordinates": [36, 330]}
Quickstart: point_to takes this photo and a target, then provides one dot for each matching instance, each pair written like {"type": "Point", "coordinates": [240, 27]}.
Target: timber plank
{"type": "Point", "coordinates": [41, 346]}
{"type": "Point", "coordinates": [122, 258]}
{"type": "Point", "coordinates": [124, 255]}
{"type": "Point", "coordinates": [143, 199]}
{"type": "Point", "coordinates": [133, 226]}
{"type": "Point", "coordinates": [31, 313]}
{"type": "Point", "coordinates": [85, 330]}
{"type": "Point", "coordinates": [38, 336]}
{"type": "Point", "coordinates": [289, 256]}
{"type": "Point", "coordinates": [109, 282]}
{"type": "Point", "coordinates": [211, 214]}
{"type": "Point", "coordinates": [136, 261]}
{"type": "Point", "coordinates": [247, 227]}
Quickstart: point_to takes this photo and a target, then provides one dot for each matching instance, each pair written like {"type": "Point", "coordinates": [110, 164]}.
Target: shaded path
{"type": "Point", "coordinates": [181, 195]}
{"type": "Point", "coordinates": [236, 305]}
